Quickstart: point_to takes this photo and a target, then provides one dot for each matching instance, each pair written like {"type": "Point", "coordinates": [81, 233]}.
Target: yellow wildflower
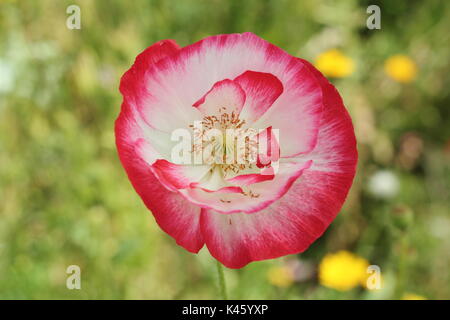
{"type": "Point", "coordinates": [413, 296]}
{"type": "Point", "coordinates": [342, 270]}
{"type": "Point", "coordinates": [400, 68]}
{"type": "Point", "coordinates": [333, 63]}
{"type": "Point", "coordinates": [280, 276]}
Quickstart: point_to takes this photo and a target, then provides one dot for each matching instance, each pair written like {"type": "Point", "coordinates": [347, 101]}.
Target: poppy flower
{"type": "Point", "coordinates": [243, 211]}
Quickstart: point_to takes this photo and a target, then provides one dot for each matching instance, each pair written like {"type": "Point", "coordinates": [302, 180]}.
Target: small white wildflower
{"type": "Point", "coordinates": [383, 184]}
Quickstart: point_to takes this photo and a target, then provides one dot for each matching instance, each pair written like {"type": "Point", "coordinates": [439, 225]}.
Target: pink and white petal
{"type": "Point", "coordinates": [251, 178]}
{"type": "Point", "coordinates": [152, 100]}
{"type": "Point", "coordinates": [135, 126]}
{"type": "Point", "coordinates": [255, 197]}
{"type": "Point", "coordinates": [130, 83]}
{"type": "Point", "coordinates": [296, 113]}
{"type": "Point", "coordinates": [176, 216]}
{"type": "Point", "coordinates": [336, 148]}
{"type": "Point", "coordinates": [261, 90]}
{"type": "Point", "coordinates": [135, 131]}
{"type": "Point", "coordinates": [230, 189]}
{"type": "Point", "coordinates": [176, 176]}
{"type": "Point", "coordinates": [146, 151]}
{"type": "Point", "coordinates": [225, 96]}
{"type": "Point", "coordinates": [288, 226]}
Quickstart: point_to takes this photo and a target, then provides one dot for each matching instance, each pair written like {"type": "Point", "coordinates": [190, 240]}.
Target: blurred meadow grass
{"type": "Point", "coordinates": [65, 199]}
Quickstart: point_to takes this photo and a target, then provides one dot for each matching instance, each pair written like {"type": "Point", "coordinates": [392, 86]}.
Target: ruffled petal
{"type": "Point", "coordinates": [150, 99]}
{"type": "Point", "coordinates": [131, 83]}
{"type": "Point", "coordinates": [296, 113]}
{"type": "Point", "coordinates": [225, 96]}
{"type": "Point", "coordinates": [250, 178]}
{"type": "Point", "coordinates": [132, 86]}
{"type": "Point", "coordinates": [255, 197]}
{"type": "Point", "coordinates": [175, 176]}
{"type": "Point", "coordinates": [175, 215]}
{"type": "Point", "coordinates": [261, 90]}
{"type": "Point", "coordinates": [336, 148]}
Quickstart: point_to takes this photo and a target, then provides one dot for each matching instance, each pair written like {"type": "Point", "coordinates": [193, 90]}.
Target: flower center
{"type": "Point", "coordinates": [222, 141]}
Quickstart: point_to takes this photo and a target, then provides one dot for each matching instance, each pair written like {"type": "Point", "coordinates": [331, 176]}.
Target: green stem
{"type": "Point", "coordinates": [222, 284]}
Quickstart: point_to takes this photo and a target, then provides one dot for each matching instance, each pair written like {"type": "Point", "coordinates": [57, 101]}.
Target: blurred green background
{"type": "Point", "coordinates": [65, 199]}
